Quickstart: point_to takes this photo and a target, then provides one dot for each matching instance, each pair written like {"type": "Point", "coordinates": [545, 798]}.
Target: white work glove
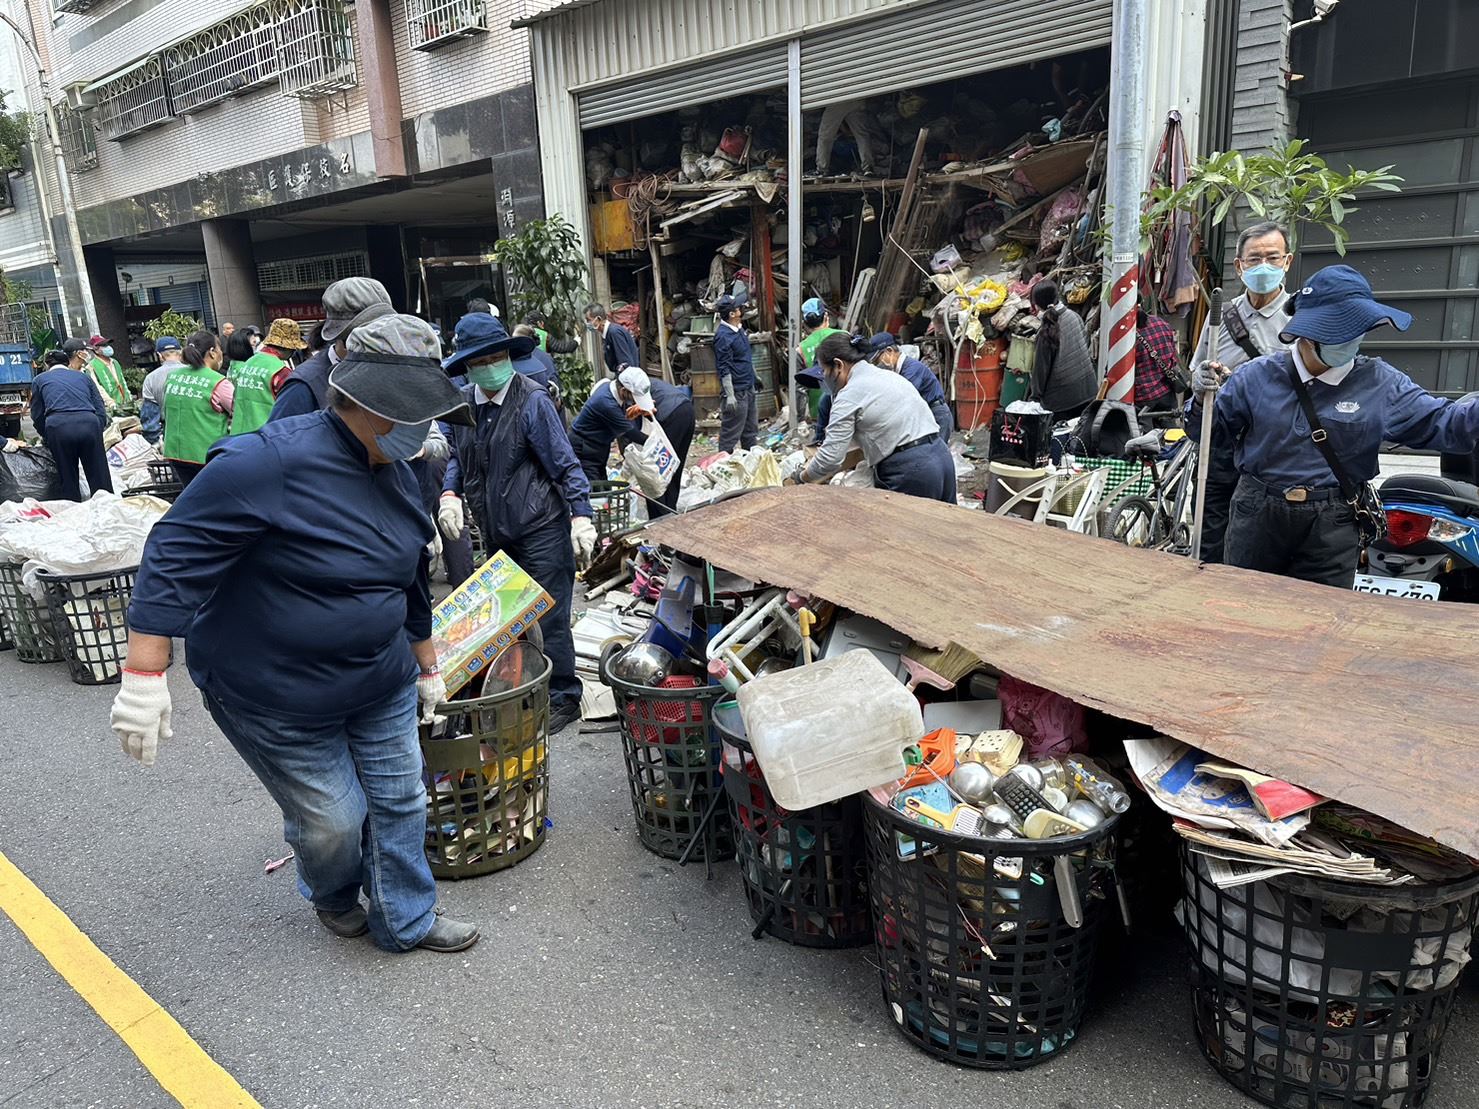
{"type": "Point", "coordinates": [434, 548]}
{"type": "Point", "coordinates": [1207, 377]}
{"type": "Point", "coordinates": [794, 472]}
{"type": "Point", "coordinates": [731, 402]}
{"type": "Point", "coordinates": [141, 714]}
{"type": "Point", "coordinates": [450, 517]}
{"type": "Point", "coordinates": [431, 691]}
{"type": "Point", "coordinates": [583, 539]}
{"type": "Point", "coordinates": [13, 445]}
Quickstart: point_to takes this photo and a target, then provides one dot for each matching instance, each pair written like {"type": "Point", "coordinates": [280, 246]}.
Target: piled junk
{"type": "Point", "coordinates": [981, 832]}
{"type": "Point", "coordinates": [944, 255]}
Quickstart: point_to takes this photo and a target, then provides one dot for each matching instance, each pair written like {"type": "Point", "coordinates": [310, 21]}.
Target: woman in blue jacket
{"type": "Point", "coordinates": [295, 568]}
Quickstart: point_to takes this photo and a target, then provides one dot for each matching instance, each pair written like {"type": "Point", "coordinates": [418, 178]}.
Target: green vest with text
{"type": "Point", "coordinates": [109, 376]}
{"type": "Point", "coordinates": [254, 399]}
{"type": "Point", "coordinates": [191, 425]}
{"type": "Point", "coordinates": [543, 338]}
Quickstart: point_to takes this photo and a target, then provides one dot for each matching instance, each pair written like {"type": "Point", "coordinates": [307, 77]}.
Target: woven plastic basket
{"type": "Point", "coordinates": [89, 614]}
{"type": "Point", "coordinates": [27, 619]}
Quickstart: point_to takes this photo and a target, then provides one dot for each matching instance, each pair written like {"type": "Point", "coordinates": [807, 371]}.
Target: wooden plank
{"type": "Point", "coordinates": [1369, 700]}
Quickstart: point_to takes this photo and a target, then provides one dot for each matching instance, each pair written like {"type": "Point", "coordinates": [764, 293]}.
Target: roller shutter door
{"type": "Point", "coordinates": [713, 79]}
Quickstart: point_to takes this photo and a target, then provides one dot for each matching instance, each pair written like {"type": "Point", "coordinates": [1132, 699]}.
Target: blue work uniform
{"type": "Point", "coordinates": [304, 390]}
{"type": "Point", "coordinates": [603, 420]}
{"type": "Point", "coordinates": [917, 374]}
{"type": "Point", "coordinates": [67, 412]}
{"type": "Point", "coordinates": [296, 571]}
{"type": "Point", "coordinates": [1288, 515]}
{"type": "Point", "coordinates": [619, 348]}
{"type": "Point", "coordinates": [519, 477]}
{"type": "Point", "coordinates": [536, 370]}
{"type": "Point", "coordinates": [735, 362]}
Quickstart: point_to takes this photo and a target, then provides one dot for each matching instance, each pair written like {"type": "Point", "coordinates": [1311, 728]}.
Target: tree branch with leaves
{"type": "Point", "coordinates": [1288, 186]}
{"type": "Point", "coordinates": [544, 268]}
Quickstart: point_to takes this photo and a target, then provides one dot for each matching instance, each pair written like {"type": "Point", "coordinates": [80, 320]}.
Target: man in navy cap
{"type": "Point", "coordinates": [524, 485]}
{"type": "Point", "coordinates": [888, 356]}
{"type": "Point", "coordinates": [1289, 514]}
{"type": "Point", "coordinates": [739, 423]}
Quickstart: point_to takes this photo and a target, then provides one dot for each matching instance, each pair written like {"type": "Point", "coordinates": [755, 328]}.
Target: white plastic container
{"type": "Point", "coordinates": [831, 729]}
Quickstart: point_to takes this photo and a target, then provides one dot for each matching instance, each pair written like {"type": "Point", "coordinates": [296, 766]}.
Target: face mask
{"type": "Point", "coordinates": [1263, 278]}
{"type": "Point", "coordinates": [593, 328]}
{"type": "Point", "coordinates": [402, 441]}
{"type": "Point", "coordinates": [492, 376]}
{"type": "Point", "coordinates": [1336, 355]}
{"type": "Point", "coordinates": [333, 354]}
{"type": "Point", "coordinates": [106, 352]}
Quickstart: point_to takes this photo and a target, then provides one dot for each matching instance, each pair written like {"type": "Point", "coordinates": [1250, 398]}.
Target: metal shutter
{"type": "Point", "coordinates": [949, 39]}
{"type": "Point", "coordinates": [1418, 248]}
{"type": "Point", "coordinates": [713, 79]}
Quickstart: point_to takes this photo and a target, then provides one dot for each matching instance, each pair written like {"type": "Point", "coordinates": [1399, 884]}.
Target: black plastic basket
{"type": "Point", "coordinates": [487, 770]}
{"type": "Point", "coordinates": [162, 473]}
{"type": "Point", "coordinates": [611, 507]}
{"type": "Point", "coordinates": [672, 753]}
{"type": "Point", "coordinates": [7, 641]}
{"type": "Point", "coordinates": [1321, 994]}
{"type": "Point", "coordinates": [979, 963]}
{"type": "Point", "coordinates": [805, 873]}
{"type": "Point", "coordinates": [89, 615]}
{"type": "Point", "coordinates": [165, 491]}
{"type": "Point", "coordinates": [28, 620]}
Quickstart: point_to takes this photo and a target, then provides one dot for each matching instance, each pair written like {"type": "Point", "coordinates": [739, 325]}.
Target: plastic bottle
{"type": "Point", "coordinates": [1097, 784]}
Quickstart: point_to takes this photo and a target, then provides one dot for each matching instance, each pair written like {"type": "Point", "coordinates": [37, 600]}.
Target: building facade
{"type": "Point", "coordinates": [231, 159]}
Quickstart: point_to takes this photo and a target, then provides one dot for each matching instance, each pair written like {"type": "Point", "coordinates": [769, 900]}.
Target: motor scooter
{"type": "Point", "coordinates": [1431, 549]}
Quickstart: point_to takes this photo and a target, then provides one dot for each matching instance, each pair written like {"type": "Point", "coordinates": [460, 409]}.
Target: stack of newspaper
{"type": "Point", "coordinates": [1250, 827]}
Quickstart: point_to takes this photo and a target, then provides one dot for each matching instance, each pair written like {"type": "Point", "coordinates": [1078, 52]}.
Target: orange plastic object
{"type": "Point", "coordinates": [939, 756]}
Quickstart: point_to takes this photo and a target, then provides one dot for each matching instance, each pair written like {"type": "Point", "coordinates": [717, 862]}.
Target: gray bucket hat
{"type": "Point", "coordinates": [352, 302]}
{"type": "Point", "coordinates": [393, 369]}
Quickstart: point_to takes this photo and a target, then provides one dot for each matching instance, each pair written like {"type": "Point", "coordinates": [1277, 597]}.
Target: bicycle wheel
{"type": "Point", "coordinates": [1134, 522]}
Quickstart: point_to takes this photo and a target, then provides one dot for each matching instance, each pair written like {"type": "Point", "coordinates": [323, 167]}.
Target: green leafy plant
{"type": "Point", "coordinates": [544, 269]}
{"type": "Point", "coordinates": [15, 135]}
{"type": "Point", "coordinates": [171, 323]}
{"type": "Point", "coordinates": [1287, 185]}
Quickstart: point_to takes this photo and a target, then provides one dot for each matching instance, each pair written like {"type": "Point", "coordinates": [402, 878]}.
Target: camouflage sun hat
{"type": "Point", "coordinates": [393, 370]}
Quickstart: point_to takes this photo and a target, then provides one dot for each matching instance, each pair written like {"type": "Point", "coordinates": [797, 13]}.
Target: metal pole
{"type": "Point", "coordinates": [1126, 169]}
{"type": "Point", "coordinates": [795, 167]}
{"type": "Point", "coordinates": [64, 184]}
{"type": "Point", "coordinates": [1204, 448]}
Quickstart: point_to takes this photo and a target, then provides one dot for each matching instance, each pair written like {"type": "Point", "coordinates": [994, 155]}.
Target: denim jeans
{"type": "Point", "coordinates": [353, 808]}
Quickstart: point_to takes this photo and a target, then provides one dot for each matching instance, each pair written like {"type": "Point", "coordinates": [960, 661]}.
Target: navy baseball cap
{"type": "Point", "coordinates": [1335, 306]}
{"type": "Point", "coordinates": [167, 342]}
{"type": "Point", "coordinates": [727, 303]}
{"type": "Point", "coordinates": [882, 342]}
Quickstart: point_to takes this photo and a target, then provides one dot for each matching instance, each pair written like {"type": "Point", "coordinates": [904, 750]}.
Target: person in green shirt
{"type": "Point", "coordinates": [107, 371]}
{"type": "Point", "coordinates": [197, 406]}
{"type": "Point", "coordinates": [817, 319]}
{"type": "Point", "coordinates": [548, 343]}
{"type": "Point", "coordinates": [257, 375]}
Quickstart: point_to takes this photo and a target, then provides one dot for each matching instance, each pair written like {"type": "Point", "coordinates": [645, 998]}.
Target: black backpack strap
{"type": "Point", "coordinates": [1318, 435]}
{"type": "Point", "coordinates": [1236, 329]}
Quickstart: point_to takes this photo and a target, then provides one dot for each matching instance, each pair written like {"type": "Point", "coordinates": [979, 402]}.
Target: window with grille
{"type": "Point", "coordinates": [314, 49]}
{"type": "Point", "coordinates": [311, 273]}
{"type": "Point", "coordinates": [434, 23]}
{"type": "Point", "coordinates": [134, 101]}
{"type": "Point", "coordinates": [79, 139]}
{"type": "Point", "coordinates": [228, 59]}
{"type": "Point", "coordinates": [77, 7]}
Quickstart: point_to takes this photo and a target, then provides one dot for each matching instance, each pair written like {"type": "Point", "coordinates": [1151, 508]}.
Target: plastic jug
{"type": "Point", "coordinates": [829, 730]}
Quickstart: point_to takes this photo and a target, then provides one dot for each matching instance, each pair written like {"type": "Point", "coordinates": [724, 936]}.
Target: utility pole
{"type": "Point", "coordinates": [1126, 171]}
{"type": "Point", "coordinates": [64, 184]}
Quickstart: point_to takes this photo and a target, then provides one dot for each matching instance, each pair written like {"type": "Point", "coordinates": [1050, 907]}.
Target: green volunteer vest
{"type": "Point", "coordinates": [543, 338]}
{"type": "Point", "coordinates": [815, 339]}
{"type": "Point", "coordinates": [253, 381]}
{"type": "Point", "coordinates": [191, 425]}
{"type": "Point", "coordinates": [109, 376]}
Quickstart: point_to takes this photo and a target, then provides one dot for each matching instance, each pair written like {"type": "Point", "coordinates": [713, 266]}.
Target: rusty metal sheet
{"type": "Point", "coordinates": [1368, 700]}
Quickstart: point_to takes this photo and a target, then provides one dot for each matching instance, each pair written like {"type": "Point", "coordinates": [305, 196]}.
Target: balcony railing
{"type": "Point", "coordinates": [134, 100]}
{"type": "Point", "coordinates": [314, 48]}
{"type": "Point", "coordinates": [77, 7]}
{"type": "Point", "coordinates": [434, 23]}
{"type": "Point", "coordinates": [233, 57]}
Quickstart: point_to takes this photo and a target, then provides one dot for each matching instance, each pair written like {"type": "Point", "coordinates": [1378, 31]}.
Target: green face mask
{"type": "Point", "coordinates": [492, 376]}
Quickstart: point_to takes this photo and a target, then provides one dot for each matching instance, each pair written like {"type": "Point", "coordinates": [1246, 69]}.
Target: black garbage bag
{"type": "Point", "coordinates": [29, 472]}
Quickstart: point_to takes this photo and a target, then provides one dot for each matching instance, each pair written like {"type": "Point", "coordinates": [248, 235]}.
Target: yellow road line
{"type": "Point", "coordinates": [178, 1063]}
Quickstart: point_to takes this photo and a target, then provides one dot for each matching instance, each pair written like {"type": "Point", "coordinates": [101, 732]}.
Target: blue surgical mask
{"type": "Point", "coordinates": [1336, 355]}
{"type": "Point", "coordinates": [1263, 278]}
{"type": "Point", "coordinates": [107, 352]}
{"type": "Point", "coordinates": [491, 376]}
{"type": "Point", "coordinates": [402, 441]}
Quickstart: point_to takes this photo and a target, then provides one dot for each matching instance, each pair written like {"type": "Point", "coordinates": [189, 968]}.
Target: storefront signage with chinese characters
{"type": "Point", "coordinates": [320, 171]}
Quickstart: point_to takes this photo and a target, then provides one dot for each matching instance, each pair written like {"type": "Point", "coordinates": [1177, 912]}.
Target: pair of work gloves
{"type": "Point", "coordinates": [452, 520]}
{"type": "Point", "coordinates": [142, 710]}
{"type": "Point", "coordinates": [1208, 377]}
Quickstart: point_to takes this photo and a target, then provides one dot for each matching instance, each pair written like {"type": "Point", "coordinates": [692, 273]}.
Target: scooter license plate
{"type": "Point", "coordinates": [10, 398]}
{"type": "Point", "coordinates": [1397, 587]}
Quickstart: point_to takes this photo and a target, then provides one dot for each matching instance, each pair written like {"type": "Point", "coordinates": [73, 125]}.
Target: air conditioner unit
{"type": "Point", "coordinates": [79, 98]}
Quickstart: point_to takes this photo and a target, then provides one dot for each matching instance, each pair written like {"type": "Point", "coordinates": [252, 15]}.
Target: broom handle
{"type": "Point", "coordinates": [1204, 447]}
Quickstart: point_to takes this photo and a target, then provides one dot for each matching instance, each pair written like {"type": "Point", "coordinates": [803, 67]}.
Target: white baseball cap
{"type": "Point", "coordinates": [636, 382]}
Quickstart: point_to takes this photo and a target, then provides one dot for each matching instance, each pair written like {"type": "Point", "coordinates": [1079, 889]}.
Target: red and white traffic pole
{"type": "Point", "coordinates": [1126, 171]}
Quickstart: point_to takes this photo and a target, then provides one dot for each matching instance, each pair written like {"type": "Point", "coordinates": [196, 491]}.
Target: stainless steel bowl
{"type": "Point", "coordinates": [642, 664]}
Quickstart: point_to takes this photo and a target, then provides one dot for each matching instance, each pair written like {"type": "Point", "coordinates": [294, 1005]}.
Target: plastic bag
{"type": "Point", "coordinates": [101, 534]}
{"type": "Point", "coordinates": [29, 472]}
{"type": "Point", "coordinates": [1051, 724]}
{"type": "Point", "coordinates": [654, 463]}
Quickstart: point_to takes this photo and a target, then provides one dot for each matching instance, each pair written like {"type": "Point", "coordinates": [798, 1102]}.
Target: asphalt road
{"type": "Point", "coordinates": [605, 977]}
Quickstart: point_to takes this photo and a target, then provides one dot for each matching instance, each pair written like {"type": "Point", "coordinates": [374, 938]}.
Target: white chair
{"type": "Point", "coordinates": [1084, 517]}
